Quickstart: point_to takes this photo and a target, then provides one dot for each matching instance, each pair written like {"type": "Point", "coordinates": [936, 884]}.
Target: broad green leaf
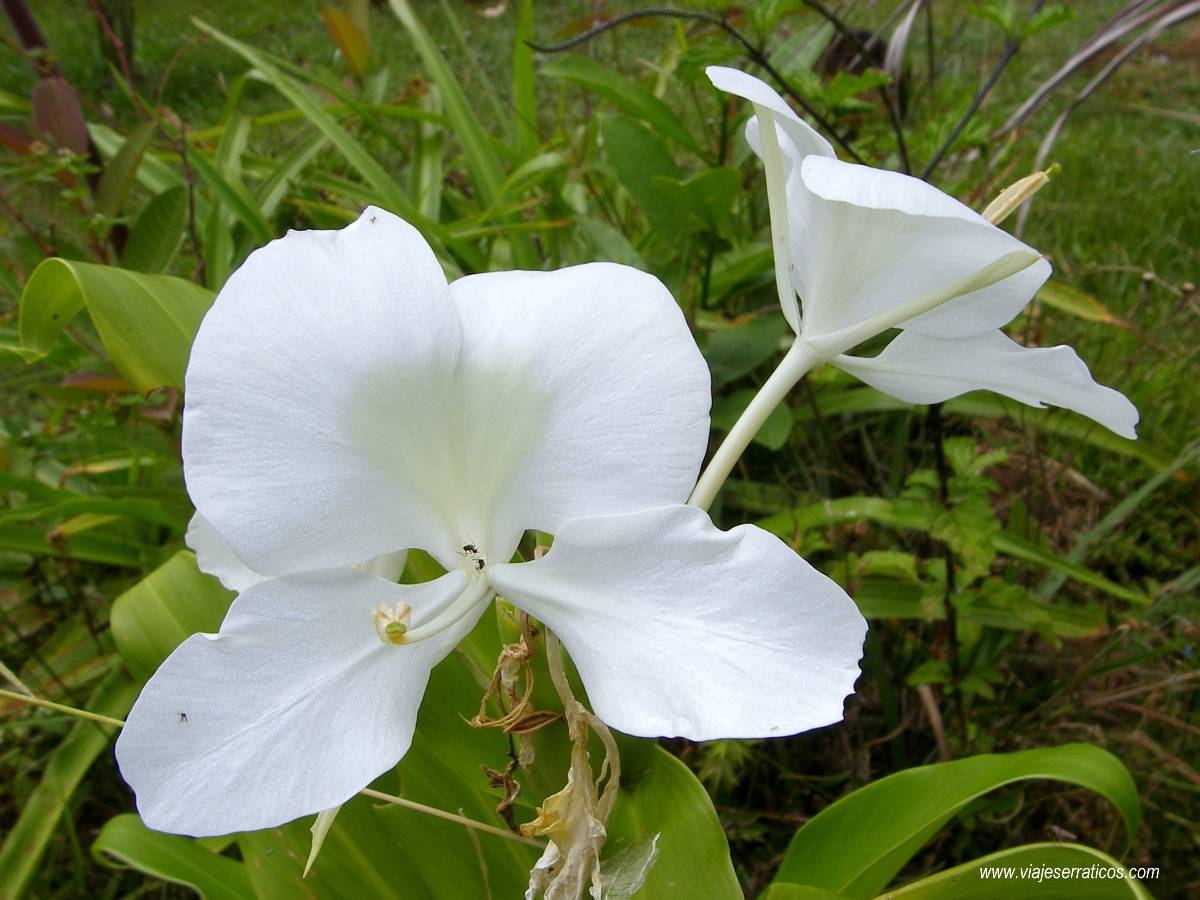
{"type": "Point", "coordinates": [99, 548]}
{"type": "Point", "coordinates": [624, 93]}
{"type": "Point", "coordinates": [660, 796]}
{"type": "Point", "coordinates": [175, 600]}
{"type": "Point", "coordinates": [785, 891]}
{"type": "Point", "coordinates": [40, 813]}
{"type": "Point", "coordinates": [609, 243]}
{"type": "Point", "coordinates": [147, 322]}
{"type": "Point", "coordinates": [157, 233]}
{"type": "Point", "coordinates": [966, 882]}
{"type": "Point", "coordinates": [739, 347]}
{"type": "Point", "coordinates": [704, 199]}
{"type": "Point", "coordinates": [774, 431]}
{"type": "Point", "coordinates": [856, 845]}
{"type": "Point", "coordinates": [741, 266]}
{"type": "Point", "coordinates": [119, 173]}
{"type": "Point", "coordinates": [638, 155]}
{"type": "Point", "coordinates": [125, 841]}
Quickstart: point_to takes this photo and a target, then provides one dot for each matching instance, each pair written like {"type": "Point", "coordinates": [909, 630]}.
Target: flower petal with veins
{"type": "Point", "coordinates": [680, 629]}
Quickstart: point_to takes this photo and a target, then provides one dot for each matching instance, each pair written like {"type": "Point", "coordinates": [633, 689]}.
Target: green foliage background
{"type": "Point", "coordinates": [1073, 617]}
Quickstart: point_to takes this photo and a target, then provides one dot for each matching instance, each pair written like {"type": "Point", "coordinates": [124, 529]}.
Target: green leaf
{"type": "Point", "coordinates": [157, 233]}
{"type": "Point", "coordinates": [903, 513]}
{"type": "Point", "coordinates": [119, 173]}
{"type": "Point", "coordinates": [524, 98]}
{"type": "Point", "coordinates": [743, 345]}
{"type": "Point", "coordinates": [40, 813]}
{"type": "Point", "coordinates": [774, 432]}
{"type": "Point", "coordinates": [857, 845]}
{"type": "Point", "coordinates": [660, 796]}
{"type": "Point", "coordinates": [1078, 303]}
{"type": "Point", "coordinates": [984, 405]}
{"type": "Point", "coordinates": [387, 190]}
{"type": "Point", "coordinates": [147, 322]}
{"type": "Point", "coordinates": [155, 615]}
{"type": "Point", "coordinates": [638, 155]}
{"type": "Point", "coordinates": [482, 162]}
{"type": "Point", "coordinates": [272, 189]}
{"type": "Point", "coordinates": [625, 93]}
{"type": "Point", "coordinates": [784, 891]}
{"type": "Point", "coordinates": [966, 883]}
{"type": "Point", "coordinates": [704, 199]}
{"type": "Point", "coordinates": [125, 841]}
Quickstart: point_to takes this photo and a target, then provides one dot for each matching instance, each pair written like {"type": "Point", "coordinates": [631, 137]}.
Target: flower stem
{"type": "Point", "coordinates": [795, 364]}
{"type": "Point", "coordinates": [452, 817]}
{"type": "Point", "coordinates": [59, 707]}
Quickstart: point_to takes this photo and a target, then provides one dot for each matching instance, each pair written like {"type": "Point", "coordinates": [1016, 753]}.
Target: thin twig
{"type": "Point", "coordinates": [452, 817]}
{"type": "Point", "coordinates": [885, 95]}
{"type": "Point", "coordinates": [59, 707]}
{"type": "Point", "coordinates": [756, 55]}
{"type": "Point", "coordinates": [950, 626]}
{"type": "Point", "coordinates": [1010, 50]}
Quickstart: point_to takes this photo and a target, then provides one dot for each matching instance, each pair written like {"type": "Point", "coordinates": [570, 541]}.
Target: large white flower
{"type": "Point", "coordinates": [343, 404]}
{"type": "Point", "coordinates": [868, 250]}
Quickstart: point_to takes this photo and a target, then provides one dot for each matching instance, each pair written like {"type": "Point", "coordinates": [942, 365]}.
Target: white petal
{"type": "Point", "coordinates": [277, 452]}
{"type": "Point", "coordinates": [920, 369]}
{"type": "Point", "coordinates": [583, 393]}
{"type": "Point", "coordinates": [678, 628]}
{"type": "Point", "coordinates": [216, 557]}
{"type": "Point", "coordinates": [803, 138]}
{"type": "Point", "coordinates": [294, 707]}
{"type": "Point", "coordinates": [872, 239]}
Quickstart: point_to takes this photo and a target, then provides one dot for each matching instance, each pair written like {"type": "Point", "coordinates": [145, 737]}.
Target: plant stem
{"type": "Point", "coordinates": [795, 364]}
{"type": "Point", "coordinates": [452, 817]}
{"type": "Point", "coordinates": [59, 707]}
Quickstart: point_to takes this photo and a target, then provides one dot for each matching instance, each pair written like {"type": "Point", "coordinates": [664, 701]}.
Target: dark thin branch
{"type": "Point", "coordinates": [1010, 50]}
{"type": "Point", "coordinates": [885, 95]}
{"type": "Point", "coordinates": [756, 55]}
{"type": "Point", "coordinates": [950, 623]}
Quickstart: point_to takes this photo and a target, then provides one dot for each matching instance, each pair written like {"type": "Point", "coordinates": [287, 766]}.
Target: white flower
{"type": "Point", "coordinates": [868, 250]}
{"type": "Point", "coordinates": [344, 404]}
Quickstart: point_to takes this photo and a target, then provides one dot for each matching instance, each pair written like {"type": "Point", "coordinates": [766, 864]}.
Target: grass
{"type": "Point", "coordinates": [1120, 222]}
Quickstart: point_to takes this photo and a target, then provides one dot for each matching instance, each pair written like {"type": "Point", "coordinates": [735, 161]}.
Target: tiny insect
{"type": "Point", "coordinates": [372, 220]}
{"type": "Point", "coordinates": [470, 548]}
{"type": "Point", "coordinates": [183, 717]}
{"type": "Point", "coordinates": [479, 564]}
{"type": "Point", "coordinates": [1060, 834]}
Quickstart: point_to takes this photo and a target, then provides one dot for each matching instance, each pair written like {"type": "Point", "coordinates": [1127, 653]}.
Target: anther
{"type": "Point", "coordinates": [391, 625]}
